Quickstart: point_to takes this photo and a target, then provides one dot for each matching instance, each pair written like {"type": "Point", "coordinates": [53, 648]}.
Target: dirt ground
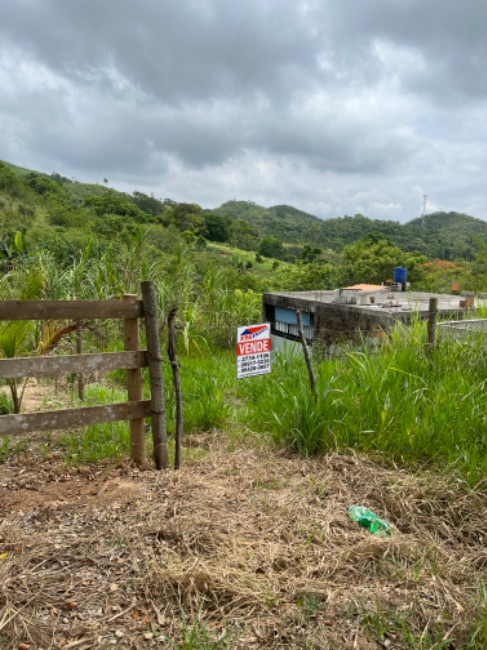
{"type": "Point", "coordinates": [243, 546]}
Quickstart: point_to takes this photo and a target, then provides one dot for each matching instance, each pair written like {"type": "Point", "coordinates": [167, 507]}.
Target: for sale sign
{"type": "Point", "coordinates": [253, 350]}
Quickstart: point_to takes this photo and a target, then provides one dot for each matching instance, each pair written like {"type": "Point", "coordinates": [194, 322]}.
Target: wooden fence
{"type": "Point", "coordinates": [130, 309]}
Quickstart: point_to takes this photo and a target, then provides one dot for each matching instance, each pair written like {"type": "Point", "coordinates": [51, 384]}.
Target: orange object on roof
{"type": "Point", "coordinates": [365, 287]}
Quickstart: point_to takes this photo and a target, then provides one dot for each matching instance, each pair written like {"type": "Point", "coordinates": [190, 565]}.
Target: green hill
{"type": "Point", "coordinates": [58, 218]}
{"type": "Point", "coordinates": [446, 235]}
{"type": "Point", "coordinates": [452, 234]}
{"type": "Point", "coordinates": [73, 208]}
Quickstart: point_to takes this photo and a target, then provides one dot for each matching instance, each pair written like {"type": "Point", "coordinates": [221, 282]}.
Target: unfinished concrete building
{"type": "Point", "coordinates": [343, 314]}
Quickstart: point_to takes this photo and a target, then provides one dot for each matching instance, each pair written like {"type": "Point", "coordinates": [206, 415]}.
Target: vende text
{"type": "Point", "coordinates": [253, 347]}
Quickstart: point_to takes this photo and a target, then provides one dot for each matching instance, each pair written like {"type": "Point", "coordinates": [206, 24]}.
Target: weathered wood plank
{"type": "Point", "coordinates": [81, 379]}
{"type": "Point", "coordinates": [40, 366]}
{"type": "Point", "coordinates": [11, 425]}
{"type": "Point", "coordinates": [131, 341]}
{"type": "Point", "coordinates": [72, 310]}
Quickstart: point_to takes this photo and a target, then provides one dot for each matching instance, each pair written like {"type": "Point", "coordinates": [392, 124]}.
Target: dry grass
{"type": "Point", "coordinates": [257, 547]}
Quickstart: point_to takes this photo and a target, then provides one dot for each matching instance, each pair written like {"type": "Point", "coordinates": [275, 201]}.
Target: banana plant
{"type": "Point", "coordinates": [16, 339]}
{"type": "Point", "coordinates": [28, 338]}
{"type": "Point", "coordinates": [21, 338]}
{"type": "Point", "coordinates": [12, 250]}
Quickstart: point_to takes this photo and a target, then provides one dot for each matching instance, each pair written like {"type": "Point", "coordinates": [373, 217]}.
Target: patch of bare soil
{"type": "Point", "coordinates": [42, 395]}
{"type": "Point", "coordinates": [256, 546]}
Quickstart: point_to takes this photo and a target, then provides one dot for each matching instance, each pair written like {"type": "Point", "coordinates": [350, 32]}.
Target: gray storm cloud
{"type": "Point", "coordinates": [334, 107]}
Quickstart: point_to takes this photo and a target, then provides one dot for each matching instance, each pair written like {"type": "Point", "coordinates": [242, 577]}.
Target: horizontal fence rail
{"type": "Point", "coordinates": [72, 363]}
{"type": "Point", "coordinates": [72, 310]}
{"type": "Point", "coordinates": [136, 409]}
{"type": "Point", "coordinates": [12, 425]}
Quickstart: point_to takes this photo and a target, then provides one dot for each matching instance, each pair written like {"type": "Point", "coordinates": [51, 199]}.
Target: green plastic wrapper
{"type": "Point", "coordinates": [369, 520]}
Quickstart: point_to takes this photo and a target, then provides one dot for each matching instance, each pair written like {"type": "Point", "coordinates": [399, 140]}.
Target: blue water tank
{"type": "Point", "coordinates": [400, 275]}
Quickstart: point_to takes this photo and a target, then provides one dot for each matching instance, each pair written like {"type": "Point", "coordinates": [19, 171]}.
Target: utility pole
{"type": "Point", "coordinates": [423, 216]}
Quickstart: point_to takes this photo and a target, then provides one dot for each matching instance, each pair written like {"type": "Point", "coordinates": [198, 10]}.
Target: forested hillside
{"type": "Point", "coordinates": [448, 236]}
{"type": "Point", "coordinates": [249, 248]}
{"type": "Point", "coordinates": [445, 235]}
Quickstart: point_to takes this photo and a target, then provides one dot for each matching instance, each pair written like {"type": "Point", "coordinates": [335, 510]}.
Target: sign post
{"type": "Point", "coordinates": [253, 350]}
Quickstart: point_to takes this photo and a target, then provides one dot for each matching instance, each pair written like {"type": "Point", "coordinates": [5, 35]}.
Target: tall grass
{"type": "Point", "coordinates": [394, 400]}
{"type": "Point", "coordinates": [107, 440]}
{"type": "Point", "coordinates": [206, 389]}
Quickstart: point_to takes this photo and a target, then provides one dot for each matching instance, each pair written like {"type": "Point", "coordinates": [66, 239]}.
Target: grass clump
{"type": "Point", "coordinates": [206, 386]}
{"type": "Point", "coordinates": [197, 636]}
{"type": "Point", "coordinates": [403, 627]}
{"type": "Point", "coordinates": [395, 400]}
{"type": "Point", "coordinates": [96, 442]}
{"type": "Point", "coordinates": [6, 405]}
{"type": "Point", "coordinates": [7, 449]}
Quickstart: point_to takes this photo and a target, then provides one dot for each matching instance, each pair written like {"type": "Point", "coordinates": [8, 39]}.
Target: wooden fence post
{"type": "Point", "coordinates": [307, 357]}
{"type": "Point", "coordinates": [173, 358]}
{"type": "Point", "coordinates": [431, 328]}
{"type": "Point", "coordinates": [158, 404]}
{"type": "Point", "coordinates": [131, 341]}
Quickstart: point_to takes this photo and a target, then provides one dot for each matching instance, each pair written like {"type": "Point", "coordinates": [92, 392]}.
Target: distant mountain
{"type": "Point", "coordinates": [447, 235]}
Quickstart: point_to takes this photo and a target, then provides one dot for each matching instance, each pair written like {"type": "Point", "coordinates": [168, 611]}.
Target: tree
{"type": "Point", "coordinates": [271, 247]}
{"type": "Point", "coordinates": [474, 276]}
{"type": "Point", "coordinates": [46, 186]}
{"type": "Point", "coordinates": [59, 179]}
{"type": "Point", "coordinates": [9, 182]}
{"type": "Point", "coordinates": [372, 260]}
{"type": "Point", "coordinates": [116, 203]}
{"type": "Point", "coordinates": [243, 235]}
{"type": "Point", "coordinates": [439, 275]}
{"type": "Point", "coordinates": [309, 253]}
{"type": "Point", "coordinates": [218, 226]}
{"type": "Point", "coordinates": [186, 217]}
{"type": "Point", "coordinates": [148, 204]}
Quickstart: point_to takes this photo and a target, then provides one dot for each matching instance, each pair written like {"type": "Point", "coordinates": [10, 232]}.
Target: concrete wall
{"type": "Point", "coordinates": [284, 346]}
{"type": "Point", "coordinates": [334, 322]}
{"type": "Point", "coordinates": [464, 330]}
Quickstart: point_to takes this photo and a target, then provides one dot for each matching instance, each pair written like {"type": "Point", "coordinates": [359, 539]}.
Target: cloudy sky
{"type": "Point", "coordinates": [333, 106]}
